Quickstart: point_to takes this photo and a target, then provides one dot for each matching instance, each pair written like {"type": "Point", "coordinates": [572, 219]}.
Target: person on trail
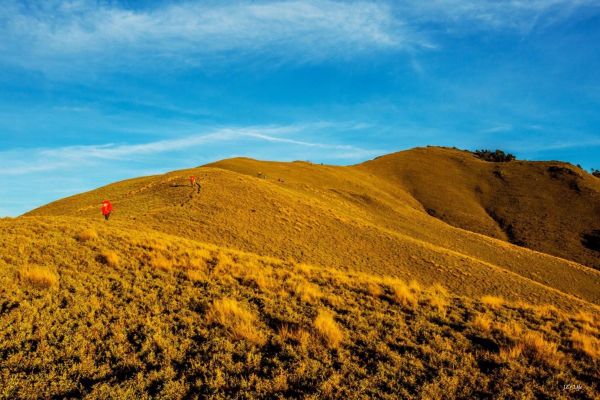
{"type": "Point", "coordinates": [106, 209]}
{"type": "Point", "coordinates": [192, 180]}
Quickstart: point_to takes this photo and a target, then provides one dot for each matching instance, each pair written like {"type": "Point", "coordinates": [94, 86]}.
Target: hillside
{"type": "Point", "coordinates": [343, 217]}
{"type": "Point", "coordinates": [99, 310]}
{"type": "Point", "coordinates": [394, 278]}
{"type": "Point", "coordinates": [552, 207]}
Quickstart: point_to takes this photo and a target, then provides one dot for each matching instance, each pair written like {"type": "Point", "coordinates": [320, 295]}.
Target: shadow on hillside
{"type": "Point", "coordinates": [591, 240]}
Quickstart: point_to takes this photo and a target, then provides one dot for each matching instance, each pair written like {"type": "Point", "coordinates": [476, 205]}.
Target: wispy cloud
{"type": "Point", "coordinates": [498, 128]}
{"type": "Point", "coordinates": [28, 161]}
{"type": "Point", "coordinates": [83, 34]}
{"type": "Point", "coordinates": [545, 145]}
{"type": "Point", "coordinates": [195, 33]}
{"type": "Point", "coordinates": [32, 177]}
{"type": "Point", "coordinates": [518, 15]}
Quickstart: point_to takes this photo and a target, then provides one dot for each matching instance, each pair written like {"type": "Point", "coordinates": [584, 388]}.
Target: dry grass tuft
{"type": "Point", "coordinates": [482, 322]}
{"type": "Point", "coordinates": [404, 295]}
{"type": "Point", "coordinates": [437, 298]}
{"type": "Point", "coordinates": [512, 352]}
{"type": "Point", "coordinates": [161, 262]}
{"type": "Point", "coordinates": [109, 257]}
{"type": "Point", "coordinates": [86, 235]}
{"type": "Point", "coordinates": [546, 311]}
{"type": "Point", "coordinates": [415, 286]}
{"type": "Point", "coordinates": [240, 321]}
{"type": "Point", "coordinates": [586, 344]}
{"type": "Point", "coordinates": [38, 277]}
{"type": "Point", "coordinates": [328, 329]}
{"type": "Point", "coordinates": [306, 291]}
{"type": "Point", "coordinates": [540, 349]}
{"type": "Point", "coordinates": [438, 289]}
{"type": "Point", "coordinates": [511, 331]}
{"type": "Point", "coordinates": [299, 336]}
{"type": "Point", "coordinates": [492, 301]}
{"type": "Point", "coordinates": [584, 317]}
{"type": "Point", "coordinates": [373, 289]}
{"type": "Point", "coordinates": [195, 275]}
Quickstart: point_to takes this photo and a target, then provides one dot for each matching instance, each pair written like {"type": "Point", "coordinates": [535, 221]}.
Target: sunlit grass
{"type": "Point", "coordinates": [38, 277]}
{"type": "Point", "coordinates": [328, 329]}
{"type": "Point", "coordinates": [240, 321]}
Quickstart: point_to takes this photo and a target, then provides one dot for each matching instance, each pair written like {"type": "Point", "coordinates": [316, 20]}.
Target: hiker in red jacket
{"type": "Point", "coordinates": [192, 180]}
{"type": "Point", "coordinates": [106, 209]}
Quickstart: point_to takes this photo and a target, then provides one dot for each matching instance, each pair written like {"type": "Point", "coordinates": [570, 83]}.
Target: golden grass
{"type": "Point", "coordinates": [306, 291]}
{"type": "Point", "coordinates": [373, 289]}
{"type": "Point", "coordinates": [297, 335]}
{"type": "Point", "coordinates": [241, 322]}
{"type": "Point", "coordinates": [583, 316]}
{"type": "Point", "coordinates": [328, 203]}
{"type": "Point", "coordinates": [586, 344]}
{"type": "Point", "coordinates": [482, 322]}
{"type": "Point", "coordinates": [511, 352]}
{"type": "Point", "coordinates": [415, 287]}
{"type": "Point", "coordinates": [86, 235]}
{"type": "Point", "coordinates": [546, 311]}
{"type": "Point", "coordinates": [159, 332]}
{"type": "Point", "coordinates": [492, 301]}
{"type": "Point", "coordinates": [540, 349]}
{"type": "Point", "coordinates": [511, 330]}
{"type": "Point", "coordinates": [404, 295]}
{"type": "Point", "coordinates": [437, 297]}
{"type": "Point", "coordinates": [161, 262]}
{"type": "Point", "coordinates": [109, 257]}
{"type": "Point", "coordinates": [328, 329]}
{"type": "Point", "coordinates": [38, 277]}
{"type": "Point", "coordinates": [195, 275]}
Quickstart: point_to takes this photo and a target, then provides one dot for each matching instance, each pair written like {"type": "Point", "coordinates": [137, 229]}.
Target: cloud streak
{"type": "Point", "coordinates": [194, 33]}
{"type": "Point", "coordinates": [82, 34]}
{"type": "Point", "coordinates": [517, 15]}
{"type": "Point", "coordinates": [70, 157]}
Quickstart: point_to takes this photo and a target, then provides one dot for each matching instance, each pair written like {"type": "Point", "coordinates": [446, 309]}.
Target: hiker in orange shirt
{"type": "Point", "coordinates": [106, 209]}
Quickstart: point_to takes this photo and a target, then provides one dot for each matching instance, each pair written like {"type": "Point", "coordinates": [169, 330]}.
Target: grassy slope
{"type": "Point", "coordinates": [334, 216]}
{"type": "Point", "coordinates": [123, 313]}
{"type": "Point", "coordinates": [142, 306]}
{"type": "Point", "coordinates": [546, 206]}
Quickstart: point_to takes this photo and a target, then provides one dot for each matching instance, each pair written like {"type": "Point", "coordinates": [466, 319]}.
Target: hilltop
{"type": "Point", "coordinates": [372, 218]}
{"type": "Point", "coordinates": [427, 273]}
{"type": "Point", "coordinates": [549, 206]}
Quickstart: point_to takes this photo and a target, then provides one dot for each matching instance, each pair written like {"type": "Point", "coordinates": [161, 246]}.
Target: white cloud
{"type": "Point", "coordinates": [520, 15]}
{"type": "Point", "coordinates": [80, 35]}
{"type": "Point", "coordinates": [194, 33]}
{"type": "Point", "coordinates": [498, 128]}
{"type": "Point", "coordinates": [33, 161]}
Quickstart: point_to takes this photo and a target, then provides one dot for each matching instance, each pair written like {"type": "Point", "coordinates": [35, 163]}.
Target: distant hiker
{"type": "Point", "coordinates": [192, 180]}
{"type": "Point", "coordinates": [106, 209]}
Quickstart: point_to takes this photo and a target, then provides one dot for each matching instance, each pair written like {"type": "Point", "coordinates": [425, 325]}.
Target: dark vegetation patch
{"type": "Point", "coordinates": [498, 174]}
{"type": "Point", "coordinates": [494, 155]}
{"type": "Point", "coordinates": [591, 240]}
{"type": "Point", "coordinates": [507, 228]}
{"type": "Point", "coordinates": [558, 171]}
{"type": "Point", "coordinates": [566, 174]}
{"type": "Point", "coordinates": [432, 212]}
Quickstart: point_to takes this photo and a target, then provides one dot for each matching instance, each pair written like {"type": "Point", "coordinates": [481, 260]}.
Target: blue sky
{"type": "Point", "coordinates": [97, 91]}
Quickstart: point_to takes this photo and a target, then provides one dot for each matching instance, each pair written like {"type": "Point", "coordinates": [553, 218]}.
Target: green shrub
{"type": "Point", "coordinates": [494, 156]}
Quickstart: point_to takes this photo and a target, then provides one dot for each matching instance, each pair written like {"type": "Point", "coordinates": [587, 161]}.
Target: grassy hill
{"type": "Point", "coordinates": [550, 206]}
{"type": "Point", "coordinates": [296, 279]}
